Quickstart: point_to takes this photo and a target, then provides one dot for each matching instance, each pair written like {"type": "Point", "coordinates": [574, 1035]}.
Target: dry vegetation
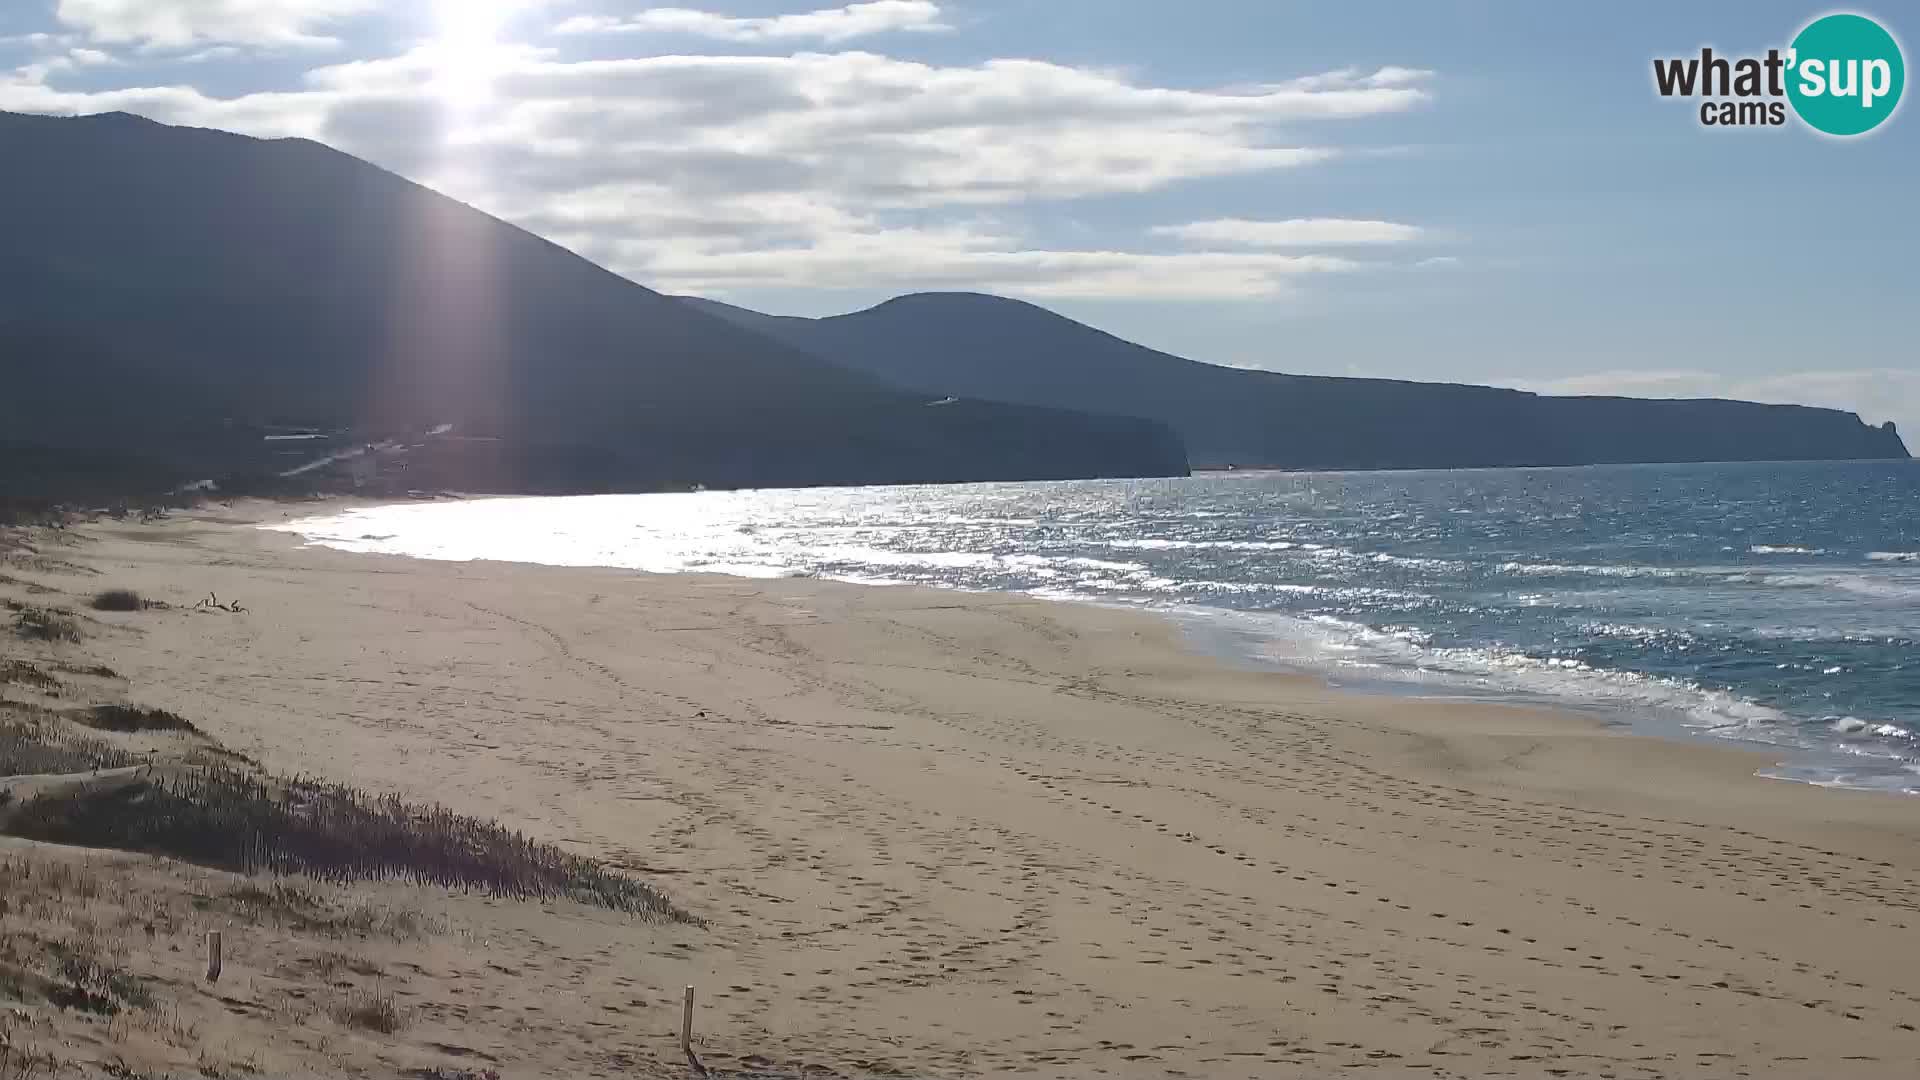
{"type": "Point", "coordinates": [118, 600]}
{"type": "Point", "coordinates": [55, 949]}
{"type": "Point", "coordinates": [288, 904]}
{"type": "Point", "coordinates": [101, 960]}
{"type": "Point", "coordinates": [233, 819]}
{"type": "Point", "coordinates": [20, 1057]}
{"type": "Point", "coordinates": [102, 953]}
{"type": "Point", "coordinates": [195, 802]}
{"type": "Point", "coordinates": [21, 550]}
{"type": "Point", "coordinates": [28, 675]}
{"type": "Point", "coordinates": [131, 718]}
{"type": "Point", "coordinates": [370, 1012]}
{"type": "Point", "coordinates": [36, 623]}
{"type": "Point", "coordinates": [31, 745]}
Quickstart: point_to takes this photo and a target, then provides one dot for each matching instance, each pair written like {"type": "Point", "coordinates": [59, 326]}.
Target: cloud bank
{"type": "Point", "coordinates": [721, 172]}
{"type": "Point", "coordinates": [831, 25]}
{"type": "Point", "coordinates": [184, 23]}
{"type": "Point", "coordinates": [1295, 232]}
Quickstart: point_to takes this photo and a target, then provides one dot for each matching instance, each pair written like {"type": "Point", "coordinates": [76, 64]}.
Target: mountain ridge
{"type": "Point", "coordinates": [179, 279]}
{"type": "Point", "coordinates": [1013, 350]}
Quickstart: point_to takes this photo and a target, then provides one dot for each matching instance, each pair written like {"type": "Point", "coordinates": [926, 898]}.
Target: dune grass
{"type": "Point", "coordinates": [97, 671]}
{"type": "Point", "coordinates": [130, 718]}
{"type": "Point", "coordinates": [236, 820]}
{"type": "Point", "coordinates": [45, 623]}
{"type": "Point", "coordinates": [22, 673]}
{"type": "Point", "coordinates": [28, 748]}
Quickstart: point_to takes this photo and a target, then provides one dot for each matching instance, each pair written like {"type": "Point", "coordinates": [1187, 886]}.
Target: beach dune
{"type": "Point", "coordinates": [945, 834]}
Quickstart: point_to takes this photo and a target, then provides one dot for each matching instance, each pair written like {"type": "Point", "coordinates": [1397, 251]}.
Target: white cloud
{"type": "Point", "coordinates": [38, 39]}
{"type": "Point", "coordinates": [720, 241]}
{"type": "Point", "coordinates": [211, 53]}
{"type": "Point", "coordinates": [1876, 394]}
{"type": "Point", "coordinates": [1352, 78]}
{"type": "Point", "coordinates": [172, 24]}
{"type": "Point", "coordinates": [711, 172]}
{"type": "Point", "coordinates": [1294, 232]}
{"type": "Point", "coordinates": [860, 253]}
{"type": "Point", "coordinates": [832, 25]}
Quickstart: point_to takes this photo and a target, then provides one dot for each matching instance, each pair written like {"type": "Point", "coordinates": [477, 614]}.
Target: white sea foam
{"type": "Point", "coordinates": [1784, 549]}
{"type": "Point", "coordinates": [1204, 545]}
{"type": "Point", "coordinates": [1328, 592]}
{"type": "Point", "coordinates": [1531, 569]}
{"type": "Point", "coordinates": [1073, 561]}
{"type": "Point", "coordinates": [1403, 656]}
{"type": "Point", "coordinates": [1416, 562]}
{"type": "Point", "coordinates": [1861, 584]}
{"type": "Point", "coordinates": [1894, 556]}
{"type": "Point", "coordinates": [1665, 635]}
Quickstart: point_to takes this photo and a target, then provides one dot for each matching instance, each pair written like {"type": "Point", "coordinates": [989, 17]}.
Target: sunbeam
{"type": "Point", "coordinates": [467, 49]}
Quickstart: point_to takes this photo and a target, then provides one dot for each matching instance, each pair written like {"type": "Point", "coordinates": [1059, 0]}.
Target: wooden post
{"type": "Point", "coordinates": [213, 956]}
{"type": "Point", "coordinates": [686, 1033]}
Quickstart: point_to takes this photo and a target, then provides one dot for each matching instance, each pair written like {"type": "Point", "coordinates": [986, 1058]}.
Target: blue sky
{"type": "Point", "coordinates": [1466, 191]}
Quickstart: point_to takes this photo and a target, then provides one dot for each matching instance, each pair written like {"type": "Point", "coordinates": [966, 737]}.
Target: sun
{"type": "Point", "coordinates": [466, 48]}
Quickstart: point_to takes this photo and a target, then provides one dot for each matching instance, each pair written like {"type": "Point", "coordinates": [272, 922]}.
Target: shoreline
{"type": "Point", "coordinates": [1771, 761]}
{"type": "Point", "coordinates": [960, 834]}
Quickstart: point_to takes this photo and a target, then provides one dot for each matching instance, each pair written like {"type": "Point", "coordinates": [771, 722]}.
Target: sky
{"type": "Point", "coordinates": [1464, 191]}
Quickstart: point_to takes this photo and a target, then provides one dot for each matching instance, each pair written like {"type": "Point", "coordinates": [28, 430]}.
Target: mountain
{"type": "Point", "coordinates": [986, 346]}
{"type": "Point", "coordinates": [177, 292]}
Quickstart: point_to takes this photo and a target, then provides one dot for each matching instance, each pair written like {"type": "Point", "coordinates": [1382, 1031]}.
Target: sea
{"type": "Point", "coordinates": [1770, 604]}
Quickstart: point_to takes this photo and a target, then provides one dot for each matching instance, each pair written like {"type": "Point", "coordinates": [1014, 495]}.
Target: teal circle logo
{"type": "Point", "coordinates": [1845, 74]}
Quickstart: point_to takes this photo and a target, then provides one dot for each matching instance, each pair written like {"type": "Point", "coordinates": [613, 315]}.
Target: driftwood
{"type": "Point", "coordinates": [212, 603]}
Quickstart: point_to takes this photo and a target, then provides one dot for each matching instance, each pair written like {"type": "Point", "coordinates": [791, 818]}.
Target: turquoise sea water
{"type": "Point", "coordinates": [1772, 603]}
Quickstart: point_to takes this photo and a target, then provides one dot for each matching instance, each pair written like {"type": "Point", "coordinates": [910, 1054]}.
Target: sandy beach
{"type": "Point", "coordinates": [946, 834]}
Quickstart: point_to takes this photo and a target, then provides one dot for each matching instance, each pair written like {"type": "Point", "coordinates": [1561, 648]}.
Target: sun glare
{"type": "Point", "coordinates": [467, 49]}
